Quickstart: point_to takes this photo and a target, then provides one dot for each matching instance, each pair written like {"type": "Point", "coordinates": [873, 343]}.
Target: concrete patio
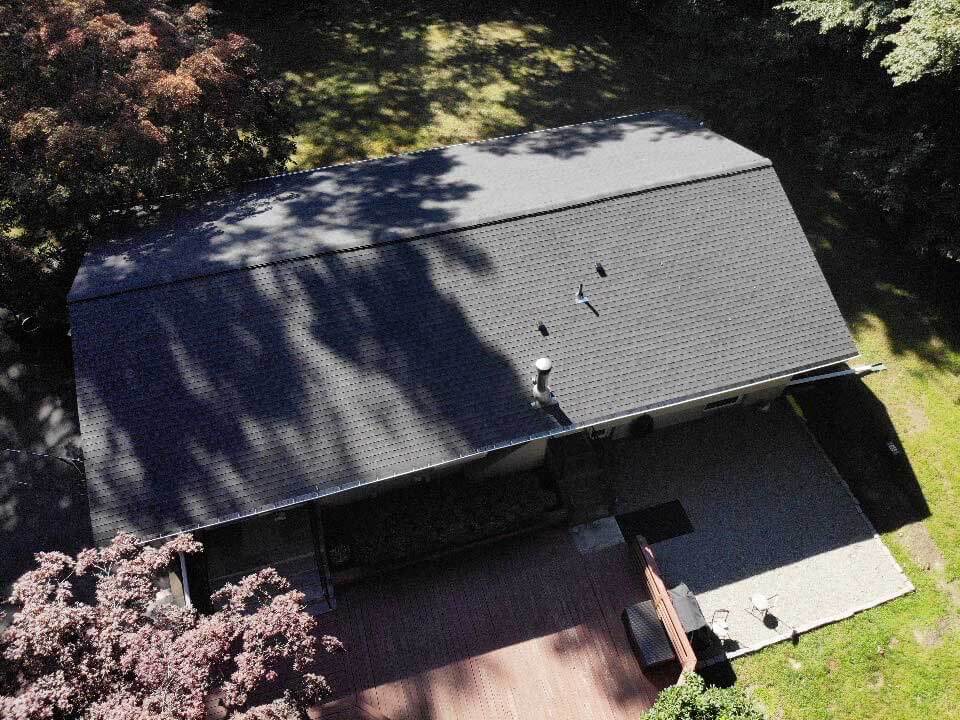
{"type": "Point", "coordinates": [770, 516]}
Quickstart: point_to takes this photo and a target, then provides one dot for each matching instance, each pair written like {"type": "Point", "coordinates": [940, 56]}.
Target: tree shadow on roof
{"type": "Point", "coordinates": [211, 398]}
{"type": "Point", "coordinates": [281, 218]}
{"type": "Point", "coordinates": [187, 389]}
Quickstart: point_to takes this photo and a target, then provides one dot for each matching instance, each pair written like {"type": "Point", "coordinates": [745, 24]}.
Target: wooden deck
{"type": "Point", "coordinates": [529, 628]}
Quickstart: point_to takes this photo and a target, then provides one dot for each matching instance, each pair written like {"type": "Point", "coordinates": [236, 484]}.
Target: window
{"type": "Point", "coordinates": [717, 404]}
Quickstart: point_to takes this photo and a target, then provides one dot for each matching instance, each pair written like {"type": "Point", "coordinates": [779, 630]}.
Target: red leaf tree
{"type": "Point", "coordinates": [129, 653]}
{"type": "Point", "coordinates": [108, 104]}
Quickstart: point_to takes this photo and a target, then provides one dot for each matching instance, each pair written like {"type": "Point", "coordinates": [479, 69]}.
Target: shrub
{"type": "Point", "coordinates": [692, 700]}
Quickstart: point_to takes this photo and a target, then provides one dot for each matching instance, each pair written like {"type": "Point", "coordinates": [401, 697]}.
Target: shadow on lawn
{"type": "Point", "coordinates": [42, 500]}
{"type": "Point", "coordinates": [915, 299]}
{"type": "Point", "coordinates": [855, 430]}
{"type": "Point", "coordinates": [378, 78]}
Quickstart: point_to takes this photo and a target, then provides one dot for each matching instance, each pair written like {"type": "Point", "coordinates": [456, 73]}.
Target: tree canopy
{"type": "Point", "coordinates": [109, 104]}
{"type": "Point", "coordinates": [914, 38]}
{"type": "Point", "coordinates": [122, 650]}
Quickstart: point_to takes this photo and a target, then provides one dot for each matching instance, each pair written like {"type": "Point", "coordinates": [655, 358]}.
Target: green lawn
{"type": "Point", "coordinates": [369, 80]}
{"type": "Point", "coordinates": [379, 79]}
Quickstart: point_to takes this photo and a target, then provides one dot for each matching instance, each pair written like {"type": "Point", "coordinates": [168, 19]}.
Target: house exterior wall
{"type": "Point", "coordinates": [534, 454]}
{"type": "Point", "coordinates": [528, 456]}
{"type": "Point", "coordinates": [695, 409]}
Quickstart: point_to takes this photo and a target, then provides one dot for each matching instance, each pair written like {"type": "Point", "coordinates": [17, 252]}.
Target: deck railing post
{"type": "Point", "coordinates": [185, 580]}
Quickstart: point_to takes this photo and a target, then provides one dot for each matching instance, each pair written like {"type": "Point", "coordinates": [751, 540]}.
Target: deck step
{"type": "Point", "coordinates": [317, 597]}
{"type": "Point", "coordinates": [321, 605]}
{"type": "Point", "coordinates": [310, 574]}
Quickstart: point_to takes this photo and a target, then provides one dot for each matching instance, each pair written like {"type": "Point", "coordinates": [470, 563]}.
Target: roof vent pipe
{"type": "Point", "coordinates": [541, 391]}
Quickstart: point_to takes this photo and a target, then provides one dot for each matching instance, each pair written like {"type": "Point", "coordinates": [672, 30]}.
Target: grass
{"type": "Point", "coordinates": [366, 80]}
{"type": "Point", "coordinates": [378, 80]}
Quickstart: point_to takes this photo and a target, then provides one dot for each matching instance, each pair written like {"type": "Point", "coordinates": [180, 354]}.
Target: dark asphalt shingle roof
{"type": "Point", "coordinates": [215, 390]}
{"type": "Point", "coordinates": [378, 201]}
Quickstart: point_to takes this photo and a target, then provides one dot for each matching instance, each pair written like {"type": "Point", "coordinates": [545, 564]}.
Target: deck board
{"type": "Point", "coordinates": [526, 628]}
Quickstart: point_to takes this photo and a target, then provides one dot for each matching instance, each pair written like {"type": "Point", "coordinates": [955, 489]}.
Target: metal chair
{"type": "Point", "coordinates": [719, 625]}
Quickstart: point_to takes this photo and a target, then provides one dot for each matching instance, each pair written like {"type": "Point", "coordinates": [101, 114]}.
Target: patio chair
{"type": "Point", "coordinates": [688, 609]}
{"type": "Point", "coordinates": [719, 625]}
{"type": "Point", "coordinates": [760, 605]}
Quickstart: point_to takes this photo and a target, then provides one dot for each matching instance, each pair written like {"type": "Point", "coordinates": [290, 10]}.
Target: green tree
{"type": "Point", "coordinates": [914, 38]}
{"type": "Point", "coordinates": [110, 104]}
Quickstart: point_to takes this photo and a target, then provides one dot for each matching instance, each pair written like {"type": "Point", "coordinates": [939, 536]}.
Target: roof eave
{"type": "Point", "coordinates": [328, 491]}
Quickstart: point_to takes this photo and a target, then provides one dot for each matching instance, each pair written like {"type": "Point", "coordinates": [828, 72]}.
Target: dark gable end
{"type": "Point", "coordinates": [215, 386]}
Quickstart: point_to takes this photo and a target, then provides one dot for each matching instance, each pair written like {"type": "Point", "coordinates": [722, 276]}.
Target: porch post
{"type": "Point", "coordinates": [185, 580]}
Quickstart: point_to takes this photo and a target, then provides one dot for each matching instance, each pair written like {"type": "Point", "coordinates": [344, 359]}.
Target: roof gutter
{"type": "Point", "coordinates": [855, 371]}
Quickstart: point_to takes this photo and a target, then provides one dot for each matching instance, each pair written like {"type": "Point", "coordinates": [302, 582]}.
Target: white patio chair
{"type": "Point", "coordinates": [719, 625]}
{"type": "Point", "coordinates": [761, 604]}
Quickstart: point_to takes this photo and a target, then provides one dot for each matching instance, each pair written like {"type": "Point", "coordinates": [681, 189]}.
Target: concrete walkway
{"type": "Point", "coordinates": [771, 516]}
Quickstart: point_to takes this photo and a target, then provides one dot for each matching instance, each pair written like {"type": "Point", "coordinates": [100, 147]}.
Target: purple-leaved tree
{"type": "Point", "coordinates": [126, 653]}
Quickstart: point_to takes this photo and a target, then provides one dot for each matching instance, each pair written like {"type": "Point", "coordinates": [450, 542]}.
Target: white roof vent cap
{"type": "Point", "coordinates": [542, 394]}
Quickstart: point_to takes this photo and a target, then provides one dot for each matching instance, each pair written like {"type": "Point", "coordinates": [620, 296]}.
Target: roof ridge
{"type": "Point", "coordinates": [206, 192]}
{"type": "Point", "coordinates": [749, 167]}
{"type": "Point", "coordinates": [466, 143]}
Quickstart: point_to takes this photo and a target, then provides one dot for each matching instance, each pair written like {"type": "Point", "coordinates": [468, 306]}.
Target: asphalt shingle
{"type": "Point", "coordinates": [211, 391]}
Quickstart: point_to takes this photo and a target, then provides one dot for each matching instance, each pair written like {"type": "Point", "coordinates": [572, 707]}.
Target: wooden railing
{"type": "Point", "coordinates": [664, 604]}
